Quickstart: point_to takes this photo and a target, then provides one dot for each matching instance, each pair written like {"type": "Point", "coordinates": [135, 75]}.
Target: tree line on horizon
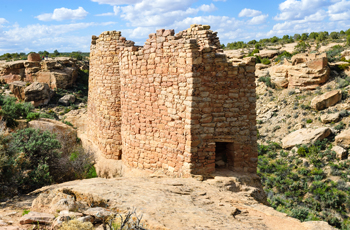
{"type": "Point", "coordinates": [23, 56]}
{"type": "Point", "coordinates": [318, 37]}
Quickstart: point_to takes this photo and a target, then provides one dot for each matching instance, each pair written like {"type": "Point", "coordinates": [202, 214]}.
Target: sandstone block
{"type": "Point", "coordinates": [343, 139]}
{"type": "Point", "coordinates": [37, 217]}
{"type": "Point", "coordinates": [326, 100]}
{"type": "Point", "coordinates": [328, 118]}
{"type": "Point", "coordinates": [305, 136]}
{"type": "Point", "coordinates": [341, 152]}
{"type": "Point", "coordinates": [67, 99]}
{"type": "Point", "coordinates": [34, 57]}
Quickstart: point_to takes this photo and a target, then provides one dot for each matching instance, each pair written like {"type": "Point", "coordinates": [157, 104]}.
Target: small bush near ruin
{"type": "Point", "coordinates": [267, 81]}
{"type": "Point", "coordinates": [30, 159]}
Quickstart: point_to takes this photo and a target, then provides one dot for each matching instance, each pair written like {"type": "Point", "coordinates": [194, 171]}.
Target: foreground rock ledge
{"type": "Point", "coordinates": [178, 203]}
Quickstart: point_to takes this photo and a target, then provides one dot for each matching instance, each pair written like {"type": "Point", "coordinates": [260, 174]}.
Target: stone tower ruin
{"type": "Point", "coordinates": [175, 105]}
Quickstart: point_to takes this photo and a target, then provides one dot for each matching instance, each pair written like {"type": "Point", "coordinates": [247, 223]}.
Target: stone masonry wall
{"type": "Point", "coordinates": [104, 95]}
{"type": "Point", "coordinates": [179, 97]}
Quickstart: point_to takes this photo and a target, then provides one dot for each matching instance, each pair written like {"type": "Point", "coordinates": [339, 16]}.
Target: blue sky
{"type": "Point", "coordinates": [67, 25]}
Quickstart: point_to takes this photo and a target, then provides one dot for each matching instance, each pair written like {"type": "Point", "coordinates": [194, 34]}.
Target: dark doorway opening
{"type": "Point", "coordinates": [223, 155]}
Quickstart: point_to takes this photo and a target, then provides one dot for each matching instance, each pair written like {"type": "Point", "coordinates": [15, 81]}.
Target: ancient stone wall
{"type": "Point", "coordinates": [104, 95]}
{"type": "Point", "coordinates": [180, 100]}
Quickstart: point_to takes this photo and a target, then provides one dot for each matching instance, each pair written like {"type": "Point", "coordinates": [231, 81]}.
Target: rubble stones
{"type": "Point", "coordinates": [37, 217]}
{"type": "Point", "coordinates": [98, 213]}
{"type": "Point", "coordinates": [67, 100]}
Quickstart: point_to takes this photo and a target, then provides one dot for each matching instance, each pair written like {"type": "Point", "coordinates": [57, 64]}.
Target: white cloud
{"type": "Point", "coordinates": [207, 8]}
{"type": "Point", "coordinates": [297, 10]}
{"type": "Point", "coordinates": [3, 21]}
{"type": "Point", "coordinates": [340, 17]}
{"type": "Point", "coordinates": [61, 14]}
{"type": "Point", "coordinates": [339, 7]}
{"type": "Point", "coordinates": [20, 10]}
{"type": "Point", "coordinates": [339, 11]}
{"type": "Point", "coordinates": [39, 37]}
{"type": "Point", "coordinates": [249, 13]}
{"type": "Point", "coordinates": [160, 13]}
{"type": "Point", "coordinates": [258, 19]}
{"type": "Point", "coordinates": [116, 10]}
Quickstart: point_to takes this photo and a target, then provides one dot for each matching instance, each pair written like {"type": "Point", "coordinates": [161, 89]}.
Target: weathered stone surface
{"type": "Point", "coordinates": [304, 136]}
{"type": "Point", "coordinates": [37, 217]}
{"type": "Point", "coordinates": [306, 71]}
{"type": "Point", "coordinates": [11, 228]}
{"type": "Point", "coordinates": [3, 223]}
{"type": "Point", "coordinates": [36, 93]}
{"type": "Point", "coordinates": [165, 202]}
{"type": "Point", "coordinates": [234, 54]}
{"type": "Point", "coordinates": [343, 139]}
{"type": "Point", "coordinates": [65, 134]}
{"type": "Point", "coordinates": [160, 108]}
{"type": "Point", "coordinates": [70, 214]}
{"type": "Point", "coordinates": [67, 99]}
{"type": "Point", "coordinates": [78, 118]}
{"type": "Point", "coordinates": [268, 53]}
{"type": "Point", "coordinates": [84, 219]}
{"type": "Point", "coordinates": [341, 152]}
{"type": "Point", "coordinates": [317, 225]}
{"type": "Point", "coordinates": [59, 201]}
{"type": "Point", "coordinates": [98, 213]}
{"type": "Point", "coordinates": [34, 57]}
{"type": "Point", "coordinates": [17, 88]}
{"type": "Point", "coordinates": [261, 70]}
{"type": "Point", "coordinates": [58, 73]}
{"type": "Point", "coordinates": [328, 118]}
{"type": "Point", "coordinates": [326, 100]}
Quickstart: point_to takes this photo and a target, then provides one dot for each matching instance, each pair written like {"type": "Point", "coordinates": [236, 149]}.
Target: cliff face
{"type": "Point", "coordinates": [57, 73]}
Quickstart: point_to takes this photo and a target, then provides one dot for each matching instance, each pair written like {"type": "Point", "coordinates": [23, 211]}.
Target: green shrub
{"type": "Point", "coordinates": [302, 47]}
{"type": "Point", "coordinates": [32, 116]}
{"type": "Point", "coordinates": [343, 66]}
{"type": "Point", "coordinates": [300, 213]}
{"type": "Point", "coordinates": [267, 81]}
{"type": "Point", "coordinates": [265, 61]}
{"type": "Point", "coordinates": [68, 123]}
{"type": "Point", "coordinates": [25, 212]}
{"type": "Point", "coordinates": [303, 171]}
{"type": "Point", "coordinates": [40, 152]}
{"type": "Point", "coordinates": [302, 151]}
{"type": "Point", "coordinates": [309, 121]}
{"type": "Point", "coordinates": [340, 126]}
{"type": "Point", "coordinates": [11, 110]}
{"type": "Point", "coordinates": [283, 55]}
{"type": "Point", "coordinates": [6, 86]}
